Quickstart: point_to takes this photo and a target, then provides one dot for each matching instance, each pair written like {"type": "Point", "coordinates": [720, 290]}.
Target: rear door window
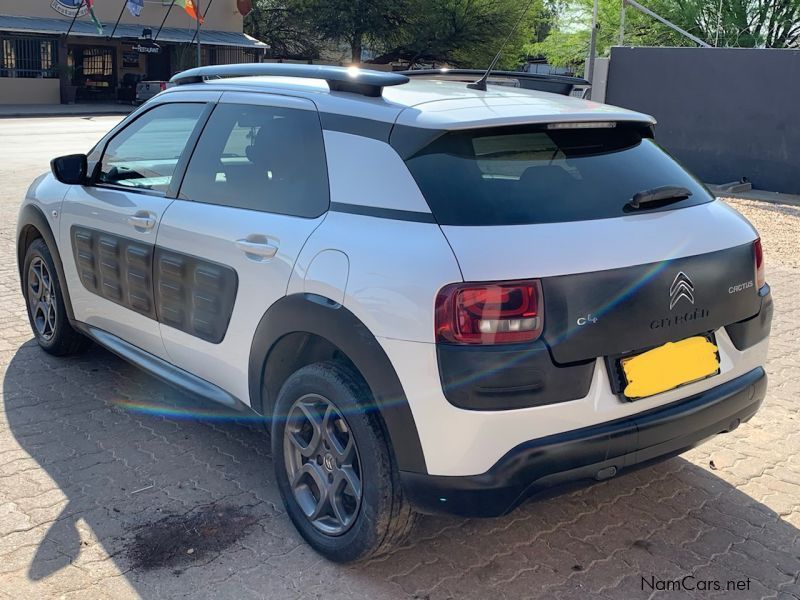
{"type": "Point", "coordinates": [264, 158]}
{"type": "Point", "coordinates": [525, 175]}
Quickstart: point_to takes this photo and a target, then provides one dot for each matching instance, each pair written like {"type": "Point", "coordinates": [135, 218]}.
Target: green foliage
{"type": "Point", "coordinates": [356, 22]}
{"type": "Point", "coordinates": [284, 26]}
{"type": "Point", "coordinates": [734, 23]}
{"type": "Point", "coordinates": [464, 33]}
{"type": "Point", "coordinates": [738, 23]}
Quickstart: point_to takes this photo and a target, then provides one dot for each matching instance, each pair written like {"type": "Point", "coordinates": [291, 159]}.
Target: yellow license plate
{"type": "Point", "coordinates": [668, 366]}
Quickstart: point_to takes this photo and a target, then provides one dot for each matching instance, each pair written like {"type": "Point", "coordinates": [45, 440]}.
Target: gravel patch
{"type": "Point", "coordinates": [779, 227]}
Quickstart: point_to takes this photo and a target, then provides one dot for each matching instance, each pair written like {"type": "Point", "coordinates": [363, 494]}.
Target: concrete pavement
{"type": "Point", "coordinates": [63, 110]}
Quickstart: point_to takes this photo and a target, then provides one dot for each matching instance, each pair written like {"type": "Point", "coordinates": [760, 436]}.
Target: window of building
{"type": "Point", "coordinates": [98, 61]}
{"type": "Point", "coordinates": [27, 57]}
{"type": "Point", "coordinates": [265, 158]}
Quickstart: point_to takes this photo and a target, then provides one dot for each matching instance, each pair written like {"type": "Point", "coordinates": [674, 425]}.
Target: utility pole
{"type": "Point", "coordinates": [622, 23]}
{"type": "Point", "coordinates": [197, 33]}
{"type": "Point", "coordinates": [592, 45]}
{"type": "Point", "coordinates": [719, 23]}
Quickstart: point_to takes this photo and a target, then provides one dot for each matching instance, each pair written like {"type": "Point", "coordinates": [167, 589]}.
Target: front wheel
{"type": "Point", "coordinates": [334, 467]}
{"type": "Point", "coordinates": [44, 299]}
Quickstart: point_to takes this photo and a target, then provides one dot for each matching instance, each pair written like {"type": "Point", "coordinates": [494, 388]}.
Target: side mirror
{"type": "Point", "coordinates": [70, 169]}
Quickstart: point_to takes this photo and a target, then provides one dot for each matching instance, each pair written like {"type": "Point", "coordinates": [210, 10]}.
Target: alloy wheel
{"type": "Point", "coordinates": [322, 464]}
{"type": "Point", "coordinates": [42, 299]}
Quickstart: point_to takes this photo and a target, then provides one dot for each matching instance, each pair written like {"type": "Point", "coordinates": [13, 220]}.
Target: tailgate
{"type": "Point", "coordinates": [614, 311]}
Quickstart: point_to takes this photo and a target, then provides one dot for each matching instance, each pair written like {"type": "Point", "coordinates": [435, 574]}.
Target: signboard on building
{"type": "Point", "coordinates": [147, 48]}
{"type": "Point", "coordinates": [69, 8]}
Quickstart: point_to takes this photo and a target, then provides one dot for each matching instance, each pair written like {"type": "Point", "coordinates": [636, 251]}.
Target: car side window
{"type": "Point", "coordinates": [145, 154]}
{"type": "Point", "coordinates": [264, 158]}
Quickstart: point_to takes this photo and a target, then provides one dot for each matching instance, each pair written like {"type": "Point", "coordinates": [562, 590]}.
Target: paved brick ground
{"type": "Point", "coordinates": [113, 486]}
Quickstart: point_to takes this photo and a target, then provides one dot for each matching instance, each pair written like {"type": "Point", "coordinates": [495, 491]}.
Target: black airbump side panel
{"type": "Point", "coordinates": [117, 268]}
{"type": "Point", "coordinates": [194, 295]}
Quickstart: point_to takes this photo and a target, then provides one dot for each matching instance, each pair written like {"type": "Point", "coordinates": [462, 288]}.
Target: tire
{"type": "Point", "coordinates": [338, 401]}
{"type": "Point", "coordinates": [44, 300]}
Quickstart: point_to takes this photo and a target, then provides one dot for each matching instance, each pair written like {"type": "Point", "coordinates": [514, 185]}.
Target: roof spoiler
{"type": "Point", "coordinates": [340, 79]}
{"type": "Point", "coordinates": [556, 84]}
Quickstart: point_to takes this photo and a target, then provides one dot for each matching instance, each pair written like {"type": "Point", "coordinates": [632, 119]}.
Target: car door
{"type": "Point", "coordinates": [255, 189]}
{"type": "Point", "coordinates": [110, 225]}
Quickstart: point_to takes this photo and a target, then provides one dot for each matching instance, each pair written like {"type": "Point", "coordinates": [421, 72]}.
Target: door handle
{"type": "Point", "coordinates": [260, 249]}
{"type": "Point", "coordinates": [142, 222]}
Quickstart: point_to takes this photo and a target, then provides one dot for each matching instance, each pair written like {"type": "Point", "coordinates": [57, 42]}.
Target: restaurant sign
{"type": "Point", "coordinates": [147, 48]}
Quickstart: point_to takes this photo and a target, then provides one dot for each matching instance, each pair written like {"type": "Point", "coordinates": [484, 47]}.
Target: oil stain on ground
{"type": "Point", "coordinates": [180, 540]}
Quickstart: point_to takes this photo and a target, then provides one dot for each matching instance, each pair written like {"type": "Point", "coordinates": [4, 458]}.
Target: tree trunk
{"type": "Point", "coordinates": [355, 48]}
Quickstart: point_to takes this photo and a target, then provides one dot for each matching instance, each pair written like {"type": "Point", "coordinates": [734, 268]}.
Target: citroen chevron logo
{"type": "Point", "coordinates": [682, 287]}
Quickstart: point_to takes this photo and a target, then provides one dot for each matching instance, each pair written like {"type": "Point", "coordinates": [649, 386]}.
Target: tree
{"type": "Point", "coordinates": [356, 22]}
{"type": "Point", "coordinates": [739, 23]}
{"type": "Point", "coordinates": [284, 27]}
{"type": "Point", "coordinates": [464, 33]}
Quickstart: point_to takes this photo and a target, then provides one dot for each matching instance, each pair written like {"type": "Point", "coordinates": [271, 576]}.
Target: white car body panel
{"type": "Point", "coordinates": [550, 249]}
{"type": "Point", "coordinates": [534, 107]}
{"type": "Point", "coordinates": [327, 275]}
{"type": "Point", "coordinates": [108, 209]}
{"type": "Point", "coordinates": [210, 231]}
{"type": "Point", "coordinates": [468, 442]}
{"type": "Point", "coordinates": [392, 283]}
{"type": "Point", "coordinates": [430, 104]}
{"type": "Point", "coordinates": [369, 172]}
{"type": "Point", "coordinates": [48, 193]}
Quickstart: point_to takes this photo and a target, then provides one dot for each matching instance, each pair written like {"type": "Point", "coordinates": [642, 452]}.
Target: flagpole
{"type": "Point", "coordinates": [197, 33]}
{"type": "Point", "coordinates": [122, 10]}
{"type": "Point", "coordinates": [164, 21]}
{"type": "Point", "coordinates": [205, 13]}
{"type": "Point", "coordinates": [75, 16]}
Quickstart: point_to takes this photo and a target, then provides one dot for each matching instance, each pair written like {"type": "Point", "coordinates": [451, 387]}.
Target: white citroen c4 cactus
{"type": "Point", "coordinates": [440, 298]}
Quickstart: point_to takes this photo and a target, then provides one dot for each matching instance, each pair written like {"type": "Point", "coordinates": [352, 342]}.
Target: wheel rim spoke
{"type": "Point", "coordinates": [334, 422]}
{"type": "Point", "coordinates": [351, 479]}
{"type": "Point", "coordinates": [42, 299]}
{"type": "Point", "coordinates": [322, 464]}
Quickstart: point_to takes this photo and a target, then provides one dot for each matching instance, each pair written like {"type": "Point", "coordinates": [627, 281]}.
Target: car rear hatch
{"type": "Point", "coordinates": [554, 203]}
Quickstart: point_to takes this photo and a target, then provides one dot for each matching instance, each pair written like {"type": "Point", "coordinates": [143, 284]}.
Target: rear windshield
{"type": "Point", "coordinates": [529, 175]}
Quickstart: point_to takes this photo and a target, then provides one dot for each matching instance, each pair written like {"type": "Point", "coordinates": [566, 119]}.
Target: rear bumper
{"type": "Point", "coordinates": [594, 453]}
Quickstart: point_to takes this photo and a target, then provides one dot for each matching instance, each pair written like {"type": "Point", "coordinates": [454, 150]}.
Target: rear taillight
{"type": "Point", "coordinates": [163, 85]}
{"type": "Point", "coordinates": [761, 278]}
{"type": "Point", "coordinates": [489, 313]}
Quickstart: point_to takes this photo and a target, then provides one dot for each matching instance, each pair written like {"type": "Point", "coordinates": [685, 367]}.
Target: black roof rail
{"type": "Point", "coordinates": [340, 79]}
{"type": "Point", "coordinates": [557, 84]}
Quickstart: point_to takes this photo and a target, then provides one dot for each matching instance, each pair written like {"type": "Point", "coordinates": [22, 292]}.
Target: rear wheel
{"type": "Point", "coordinates": [45, 303]}
{"type": "Point", "coordinates": [334, 467]}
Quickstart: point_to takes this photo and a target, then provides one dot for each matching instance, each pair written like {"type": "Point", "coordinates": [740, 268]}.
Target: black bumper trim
{"type": "Point", "coordinates": [589, 454]}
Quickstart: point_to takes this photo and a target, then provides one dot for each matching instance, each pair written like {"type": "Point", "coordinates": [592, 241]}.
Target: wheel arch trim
{"type": "Point", "coordinates": [32, 216]}
{"type": "Point", "coordinates": [320, 316]}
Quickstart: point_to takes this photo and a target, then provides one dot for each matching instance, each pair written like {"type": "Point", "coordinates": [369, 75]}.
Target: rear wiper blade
{"type": "Point", "coordinates": [660, 196]}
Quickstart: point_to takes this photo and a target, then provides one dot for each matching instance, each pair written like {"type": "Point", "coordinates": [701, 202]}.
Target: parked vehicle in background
{"type": "Point", "coordinates": [440, 298]}
{"type": "Point", "coordinates": [148, 89]}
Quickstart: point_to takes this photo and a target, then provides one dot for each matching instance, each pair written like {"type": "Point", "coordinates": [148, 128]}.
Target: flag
{"type": "Point", "coordinates": [98, 24]}
{"type": "Point", "coordinates": [190, 8]}
{"type": "Point", "coordinates": [135, 7]}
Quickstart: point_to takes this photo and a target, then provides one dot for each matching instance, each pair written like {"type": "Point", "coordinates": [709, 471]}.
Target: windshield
{"type": "Point", "coordinates": [524, 175]}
